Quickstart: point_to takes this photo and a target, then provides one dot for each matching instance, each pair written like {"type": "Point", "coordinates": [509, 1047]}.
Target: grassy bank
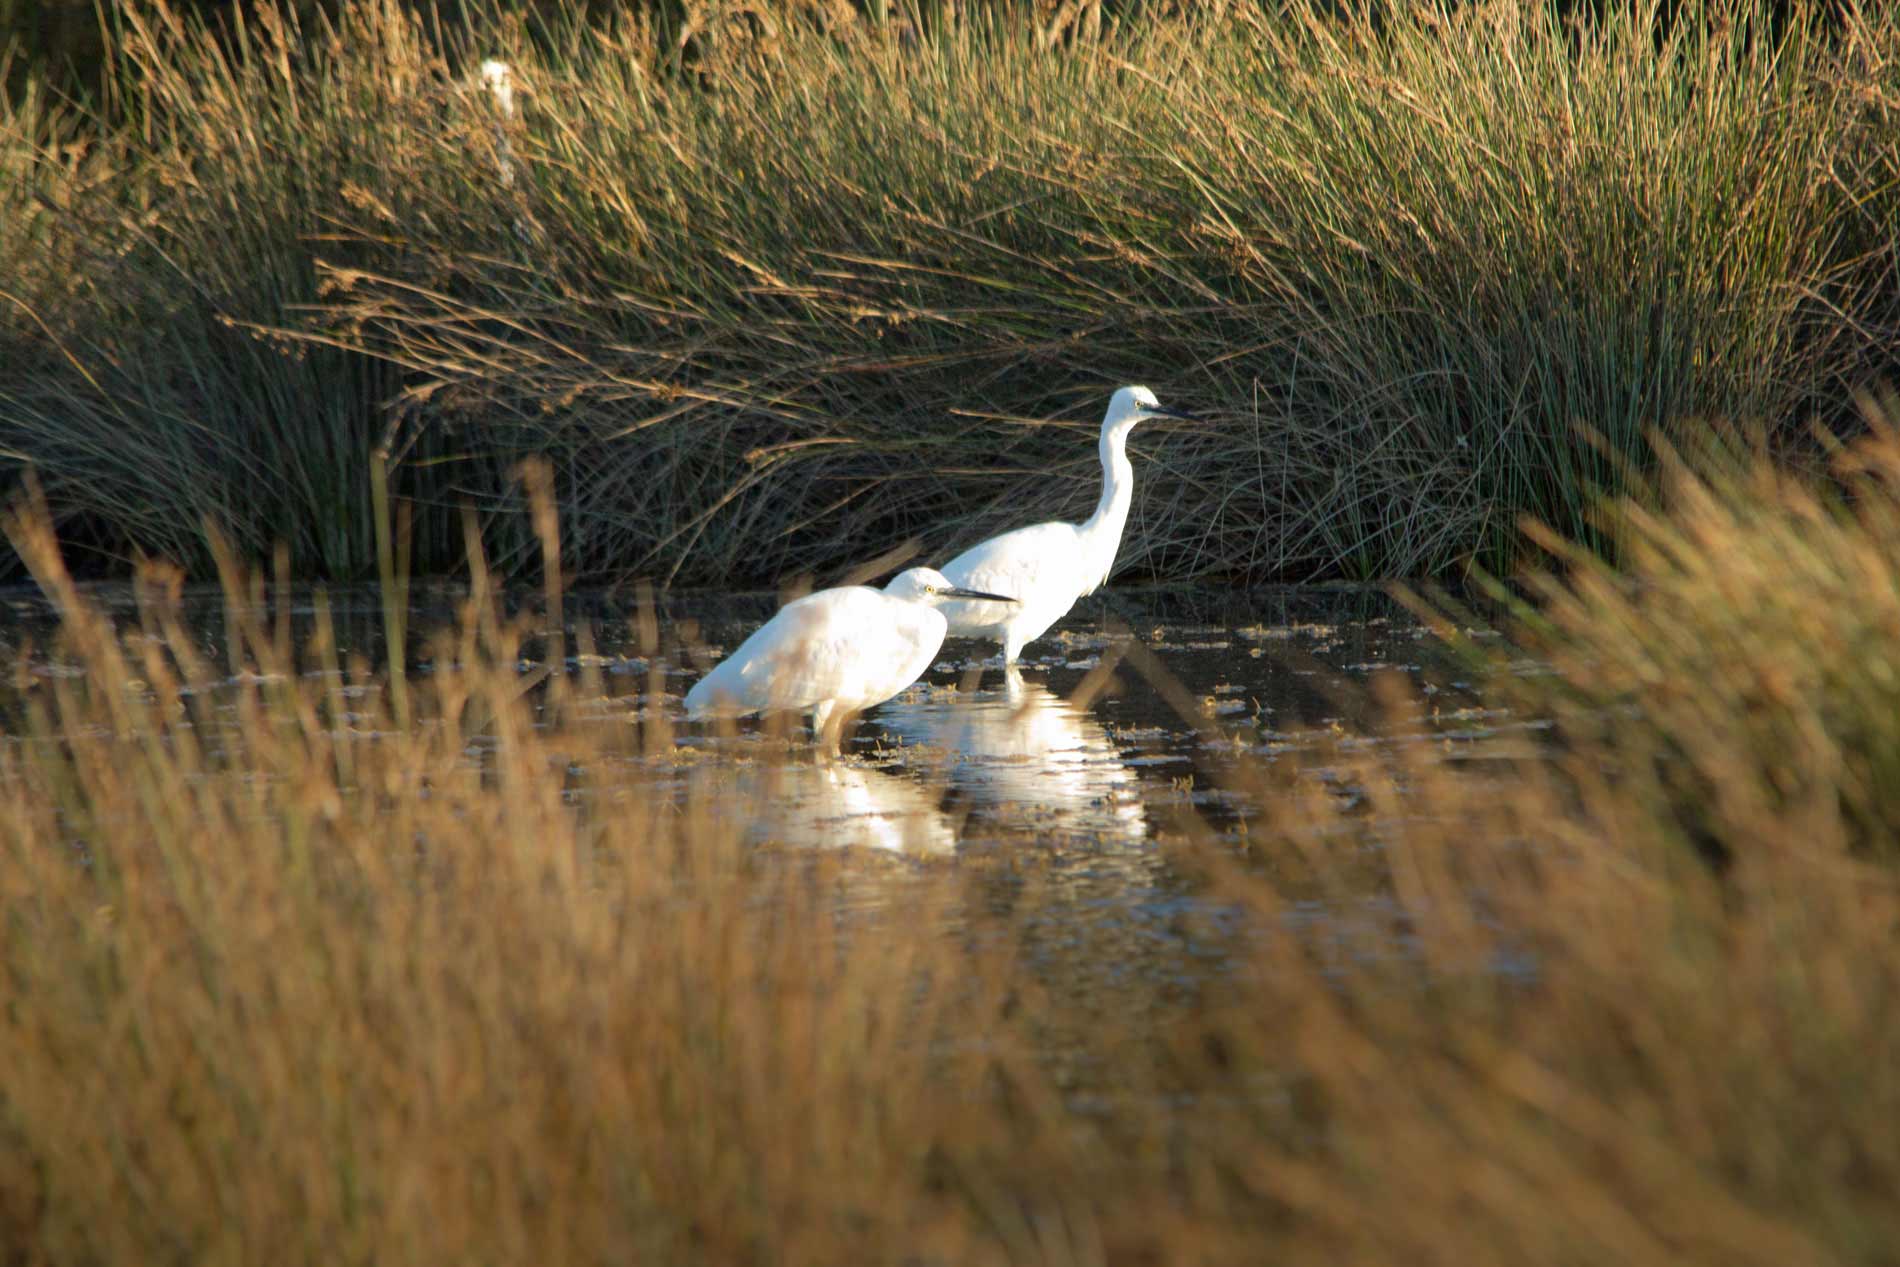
{"type": "Point", "coordinates": [818, 287]}
{"type": "Point", "coordinates": [305, 968]}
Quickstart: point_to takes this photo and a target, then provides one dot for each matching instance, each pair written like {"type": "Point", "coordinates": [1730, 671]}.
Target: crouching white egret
{"type": "Point", "coordinates": [835, 652]}
{"type": "Point", "coordinates": [1048, 566]}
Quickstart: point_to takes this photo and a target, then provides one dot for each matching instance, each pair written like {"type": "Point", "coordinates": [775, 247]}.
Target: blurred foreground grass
{"type": "Point", "coordinates": [300, 970]}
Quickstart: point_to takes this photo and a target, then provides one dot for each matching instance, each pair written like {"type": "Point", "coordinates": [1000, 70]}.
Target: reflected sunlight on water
{"type": "Point", "coordinates": [825, 805]}
{"type": "Point", "coordinates": [1028, 758]}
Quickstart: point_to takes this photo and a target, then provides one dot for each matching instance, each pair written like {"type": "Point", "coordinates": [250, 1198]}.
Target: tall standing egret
{"type": "Point", "coordinates": [1048, 566]}
{"type": "Point", "coordinates": [835, 652]}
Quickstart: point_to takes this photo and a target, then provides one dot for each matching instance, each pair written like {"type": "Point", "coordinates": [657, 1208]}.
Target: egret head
{"type": "Point", "coordinates": [927, 585]}
{"type": "Point", "coordinates": [1131, 405]}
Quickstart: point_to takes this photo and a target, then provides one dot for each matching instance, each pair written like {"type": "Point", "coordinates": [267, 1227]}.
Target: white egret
{"type": "Point", "coordinates": [1048, 566]}
{"type": "Point", "coordinates": [835, 652]}
{"type": "Point", "coordinates": [498, 80]}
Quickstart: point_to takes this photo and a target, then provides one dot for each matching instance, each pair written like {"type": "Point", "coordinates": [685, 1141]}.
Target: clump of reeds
{"type": "Point", "coordinates": [312, 965]}
{"type": "Point", "coordinates": [152, 402]}
{"type": "Point", "coordinates": [1408, 267]}
{"type": "Point", "coordinates": [307, 959]}
{"type": "Point", "coordinates": [825, 282]}
{"type": "Point", "coordinates": [33, 132]}
{"type": "Point", "coordinates": [1757, 682]}
{"type": "Point", "coordinates": [1640, 1017]}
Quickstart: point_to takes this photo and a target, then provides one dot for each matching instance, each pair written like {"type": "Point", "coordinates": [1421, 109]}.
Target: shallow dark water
{"type": "Point", "coordinates": [970, 756]}
{"type": "Point", "coordinates": [1071, 809]}
{"type": "Point", "coordinates": [972, 764]}
{"type": "Point", "coordinates": [1265, 670]}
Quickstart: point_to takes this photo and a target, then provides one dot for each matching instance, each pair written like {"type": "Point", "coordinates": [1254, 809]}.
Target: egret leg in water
{"type": "Point", "coordinates": [835, 652]}
{"type": "Point", "coordinates": [1048, 566]}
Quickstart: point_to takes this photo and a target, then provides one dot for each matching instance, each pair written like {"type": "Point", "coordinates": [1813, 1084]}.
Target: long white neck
{"type": "Point", "coordinates": [1102, 532]}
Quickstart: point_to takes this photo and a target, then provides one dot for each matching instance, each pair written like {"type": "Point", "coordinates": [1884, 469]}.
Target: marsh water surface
{"type": "Point", "coordinates": [1120, 731]}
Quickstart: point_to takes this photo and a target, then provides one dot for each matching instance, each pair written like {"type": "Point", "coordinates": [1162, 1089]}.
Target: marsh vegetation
{"type": "Point", "coordinates": [796, 283]}
{"type": "Point", "coordinates": [408, 923]}
{"type": "Point", "coordinates": [311, 960]}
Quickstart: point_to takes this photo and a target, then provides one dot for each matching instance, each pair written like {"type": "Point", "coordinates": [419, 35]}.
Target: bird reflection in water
{"type": "Point", "coordinates": [1028, 758]}
{"type": "Point", "coordinates": [828, 805]}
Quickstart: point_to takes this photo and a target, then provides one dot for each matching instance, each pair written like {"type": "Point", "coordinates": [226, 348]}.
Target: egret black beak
{"type": "Point", "coordinates": [1156, 411]}
{"type": "Point", "coordinates": [979, 595]}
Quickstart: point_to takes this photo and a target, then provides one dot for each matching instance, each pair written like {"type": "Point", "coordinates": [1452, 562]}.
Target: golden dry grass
{"type": "Point", "coordinates": [290, 979]}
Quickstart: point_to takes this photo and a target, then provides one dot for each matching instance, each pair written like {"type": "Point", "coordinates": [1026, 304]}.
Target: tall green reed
{"type": "Point", "coordinates": [829, 289]}
{"type": "Point", "coordinates": [1427, 277]}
